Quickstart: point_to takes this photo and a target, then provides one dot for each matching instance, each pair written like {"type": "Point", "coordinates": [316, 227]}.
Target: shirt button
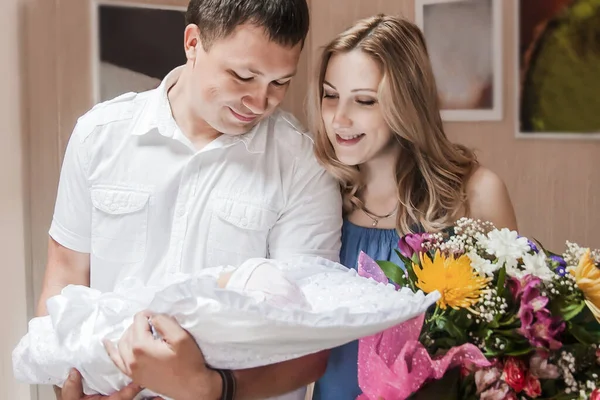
{"type": "Point", "coordinates": [112, 207]}
{"type": "Point", "coordinates": [181, 212]}
{"type": "Point", "coordinates": [244, 222]}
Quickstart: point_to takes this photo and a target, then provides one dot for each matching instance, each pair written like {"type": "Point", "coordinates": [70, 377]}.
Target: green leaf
{"type": "Point", "coordinates": [451, 328]}
{"type": "Point", "coordinates": [408, 265]}
{"type": "Point", "coordinates": [405, 260]}
{"type": "Point", "coordinates": [520, 352]}
{"type": "Point", "coordinates": [540, 245]}
{"type": "Point", "coordinates": [509, 333]}
{"type": "Point", "coordinates": [412, 277]}
{"type": "Point", "coordinates": [415, 259]}
{"type": "Point", "coordinates": [572, 310]}
{"type": "Point", "coordinates": [583, 335]}
{"type": "Point", "coordinates": [393, 272]}
{"type": "Point", "coordinates": [508, 322]}
{"type": "Point", "coordinates": [501, 281]}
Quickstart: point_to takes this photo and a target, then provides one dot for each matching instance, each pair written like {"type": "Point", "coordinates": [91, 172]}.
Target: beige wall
{"type": "Point", "coordinates": [13, 293]}
{"type": "Point", "coordinates": [555, 185]}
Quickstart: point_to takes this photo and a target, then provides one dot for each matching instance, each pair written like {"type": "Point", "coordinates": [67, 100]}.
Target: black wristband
{"type": "Point", "coordinates": [229, 384]}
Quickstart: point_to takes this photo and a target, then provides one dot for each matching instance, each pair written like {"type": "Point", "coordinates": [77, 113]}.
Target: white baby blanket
{"type": "Point", "coordinates": [270, 311]}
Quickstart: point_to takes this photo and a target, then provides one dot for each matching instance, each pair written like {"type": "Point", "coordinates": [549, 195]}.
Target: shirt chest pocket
{"type": "Point", "coordinates": [119, 224]}
{"type": "Point", "coordinates": [239, 229]}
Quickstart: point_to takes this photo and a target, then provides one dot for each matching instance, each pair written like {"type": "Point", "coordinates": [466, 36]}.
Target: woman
{"type": "Point", "coordinates": [378, 129]}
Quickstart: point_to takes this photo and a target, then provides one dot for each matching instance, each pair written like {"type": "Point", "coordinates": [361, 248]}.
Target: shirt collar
{"type": "Point", "coordinates": [157, 115]}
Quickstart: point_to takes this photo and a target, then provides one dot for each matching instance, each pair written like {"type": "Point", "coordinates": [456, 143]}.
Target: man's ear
{"type": "Point", "coordinates": [191, 38]}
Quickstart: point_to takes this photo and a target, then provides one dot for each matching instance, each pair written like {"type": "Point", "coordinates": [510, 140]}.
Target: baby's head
{"type": "Point", "coordinates": [264, 281]}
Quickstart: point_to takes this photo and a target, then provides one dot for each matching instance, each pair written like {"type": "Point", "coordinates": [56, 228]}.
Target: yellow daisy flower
{"type": "Point", "coordinates": [459, 284]}
{"type": "Point", "coordinates": [587, 277]}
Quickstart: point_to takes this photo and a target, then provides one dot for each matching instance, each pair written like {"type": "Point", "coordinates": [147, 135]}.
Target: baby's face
{"type": "Point", "coordinates": [265, 282]}
{"type": "Point", "coordinates": [224, 279]}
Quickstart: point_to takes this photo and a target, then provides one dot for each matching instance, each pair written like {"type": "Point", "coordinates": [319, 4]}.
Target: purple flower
{"type": "Point", "coordinates": [520, 286]}
{"type": "Point", "coordinates": [537, 323]}
{"type": "Point", "coordinates": [412, 243]}
{"type": "Point", "coordinates": [558, 259]}
{"type": "Point", "coordinates": [560, 264]}
{"type": "Point", "coordinates": [543, 331]}
{"type": "Point", "coordinates": [533, 246]}
{"type": "Point", "coordinates": [531, 298]}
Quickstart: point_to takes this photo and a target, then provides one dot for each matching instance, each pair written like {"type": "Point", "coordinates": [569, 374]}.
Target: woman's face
{"type": "Point", "coordinates": [350, 110]}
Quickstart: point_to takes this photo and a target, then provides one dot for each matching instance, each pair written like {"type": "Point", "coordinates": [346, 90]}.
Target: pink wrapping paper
{"type": "Point", "coordinates": [393, 364]}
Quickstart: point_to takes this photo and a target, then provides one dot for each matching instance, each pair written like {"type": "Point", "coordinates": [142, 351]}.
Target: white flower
{"type": "Point", "coordinates": [481, 265]}
{"type": "Point", "coordinates": [515, 272]}
{"type": "Point", "coordinates": [506, 246]}
{"type": "Point", "coordinates": [535, 264]}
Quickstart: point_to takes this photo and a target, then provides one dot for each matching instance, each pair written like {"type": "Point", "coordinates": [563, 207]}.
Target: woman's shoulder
{"type": "Point", "coordinates": [483, 179]}
{"type": "Point", "coordinates": [489, 199]}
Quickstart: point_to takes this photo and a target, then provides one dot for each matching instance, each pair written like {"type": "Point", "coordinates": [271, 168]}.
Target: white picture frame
{"type": "Point", "coordinates": [486, 101]}
{"type": "Point", "coordinates": [131, 80]}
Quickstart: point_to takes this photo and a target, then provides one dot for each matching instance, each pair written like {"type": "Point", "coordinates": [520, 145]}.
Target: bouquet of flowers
{"type": "Point", "coordinates": [519, 321]}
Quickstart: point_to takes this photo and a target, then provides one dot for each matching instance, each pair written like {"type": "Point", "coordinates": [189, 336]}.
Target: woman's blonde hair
{"type": "Point", "coordinates": [431, 172]}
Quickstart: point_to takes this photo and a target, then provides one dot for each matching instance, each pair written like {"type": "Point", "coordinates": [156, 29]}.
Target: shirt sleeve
{"type": "Point", "coordinates": [311, 222]}
{"type": "Point", "coordinates": [71, 223]}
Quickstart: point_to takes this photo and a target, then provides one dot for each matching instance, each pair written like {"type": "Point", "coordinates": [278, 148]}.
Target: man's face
{"type": "Point", "coordinates": [241, 79]}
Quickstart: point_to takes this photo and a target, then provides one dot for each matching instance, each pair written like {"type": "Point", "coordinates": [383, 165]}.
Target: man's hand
{"type": "Point", "coordinates": [73, 390]}
{"type": "Point", "coordinates": [173, 366]}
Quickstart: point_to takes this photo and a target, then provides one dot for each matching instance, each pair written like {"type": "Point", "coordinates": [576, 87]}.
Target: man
{"type": "Point", "coordinates": [203, 171]}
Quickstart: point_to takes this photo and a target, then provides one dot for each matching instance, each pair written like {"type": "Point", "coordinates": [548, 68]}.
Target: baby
{"type": "Point", "coordinates": [236, 315]}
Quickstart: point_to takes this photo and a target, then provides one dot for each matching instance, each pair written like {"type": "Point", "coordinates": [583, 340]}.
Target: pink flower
{"type": "Point", "coordinates": [498, 392]}
{"type": "Point", "coordinates": [519, 286]}
{"type": "Point", "coordinates": [532, 388]}
{"type": "Point", "coordinates": [541, 368]}
{"type": "Point", "coordinates": [598, 356]}
{"type": "Point", "coordinates": [543, 331]}
{"type": "Point", "coordinates": [537, 323]}
{"type": "Point", "coordinates": [532, 297]}
{"type": "Point", "coordinates": [484, 378]}
{"type": "Point", "coordinates": [527, 290]}
{"type": "Point", "coordinates": [514, 374]}
{"type": "Point", "coordinates": [595, 395]}
{"type": "Point", "coordinates": [412, 243]}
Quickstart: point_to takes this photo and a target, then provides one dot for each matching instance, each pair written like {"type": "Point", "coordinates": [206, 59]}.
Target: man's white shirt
{"type": "Point", "coordinates": [137, 195]}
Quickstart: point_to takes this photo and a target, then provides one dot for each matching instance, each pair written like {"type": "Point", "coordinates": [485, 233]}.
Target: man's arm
{"type": "Point", "coordinates": [276, 379]}
{"type": "Point", "coordinates": [70, 232]}
{"type": "Point", "coordinates": [69, 243]}
{"type": "Point", "coordinates": [64, 267]}
{"type": "Point", "coordinates": [311, 223]}
{"type": "Point", "coordinates": [175, 366]}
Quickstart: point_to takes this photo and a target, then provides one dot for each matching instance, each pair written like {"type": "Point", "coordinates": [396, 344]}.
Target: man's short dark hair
{"type": "Point", "coordinates": [285, 22]}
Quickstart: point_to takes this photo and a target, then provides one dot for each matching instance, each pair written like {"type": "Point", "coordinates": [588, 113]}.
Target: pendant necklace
{"type": "Point", "coordinates": [376, 218]}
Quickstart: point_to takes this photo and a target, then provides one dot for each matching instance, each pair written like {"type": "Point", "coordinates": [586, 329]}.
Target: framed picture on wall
{"type": "Point", "coordinates": [464, 40]}
{"type": "Point", "coordinates": [135, 46]}
{"type": "Point", "coordinates": [558, 69]}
